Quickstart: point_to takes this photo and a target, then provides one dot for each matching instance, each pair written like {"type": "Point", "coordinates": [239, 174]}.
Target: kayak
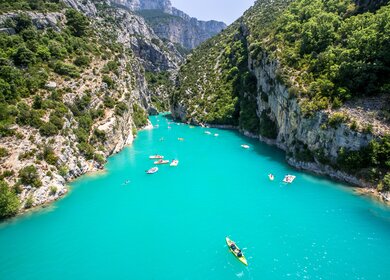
{"type": "Point", "coordinates": [235, 252]}
{"type": "Point", "coordinates": [156, 156]}
{"type": "Point", "coordinates": [175, 163]}
{"type": "Point", "coordinates": [245, 146]}
{"type": "Point", "coordinates": [161, 161]}
{"type": "Point", "coordinates": [152, 170]}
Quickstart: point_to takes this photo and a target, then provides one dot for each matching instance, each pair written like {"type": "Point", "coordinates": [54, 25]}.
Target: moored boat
{"type": "Point", "coordinates": [152, 170]}
{"type": "Point", "coordinates": [207, 132]}
{"type": "Point", "coordinates": [271, 177]}
{"type": "Point", "coordinates": [236, 251]}
{"type": "Point", "coordinates": [289, 179]}
{"type": "Point", "coordinates": [161, 161]}
{"type": "Point", "coordinates": [174, 163]}
{"type": "Point", "coordinates": [157, 156]}
{"type": "Point", "coordinates": [180, 139]}
{"type": "Point", "coordinates": [216, 134]}
{"type": "Point", "coordinates": [245, 146]}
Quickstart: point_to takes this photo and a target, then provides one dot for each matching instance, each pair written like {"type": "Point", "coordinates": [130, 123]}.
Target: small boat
{"type": "Point", "coordinates": [180, 139]}
{"type": "Point", "coordinates": [216, 134]}
{"type": "Point", "coordinates": [236, 251]}
{"type": "Point", "coordinates": [207, 132]}
{"type": "Point", "coordinates": [289, 179]}
{"type": "Point", "coordinates": [161, 161]}
{"type": "Point", "coordinates": [157, 156]}
{"type": "Point", "coordinates": [271, 177]}
{"type": "Point", "coordinates": [152, 170]}
{"type": "Point", "coordinates": [245, 146]}
{"type": "Point", "coordinates": [191, 126]}
{"type": "Point", "coordinates": [174, 163]}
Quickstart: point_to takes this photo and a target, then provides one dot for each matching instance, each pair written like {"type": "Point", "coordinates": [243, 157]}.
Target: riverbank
{"type": "Point", "coordinates": [360, 186]}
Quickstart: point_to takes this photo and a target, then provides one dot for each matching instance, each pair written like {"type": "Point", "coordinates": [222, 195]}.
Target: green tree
{"type": "Point", "coordinates": [9, 202]}
{"type": "Point", "coordinates": [77, 22]}
{"type": "Point", "coordinates": [29, 176]}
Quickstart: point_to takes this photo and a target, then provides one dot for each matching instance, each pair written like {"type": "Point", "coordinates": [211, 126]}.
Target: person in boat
{"type": "Point", "coordinates": [239, 253]}
{"type": "Point", "coordinates": [233, 246]}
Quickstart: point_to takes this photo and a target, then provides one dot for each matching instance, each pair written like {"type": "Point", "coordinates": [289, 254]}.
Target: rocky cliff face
{"type": "Point", "coordinates": [138, 49]}
{"type": "Point", "coordinates": [172, 24]}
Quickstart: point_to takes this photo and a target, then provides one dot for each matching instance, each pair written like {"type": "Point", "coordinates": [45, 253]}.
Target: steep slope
{"type": "Point", "coordinates": [72, 92]}
{"type": "Point", "coordinates": [308, 76]}
{"type": "Point", "coordinates": [172, 24]}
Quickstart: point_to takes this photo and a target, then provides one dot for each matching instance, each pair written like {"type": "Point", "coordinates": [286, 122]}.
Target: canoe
{"type": "Point", "coordinates": [289, 179]}
{"type": "Point", "coordinates": [234, 252]}
{"type": "Point", "coordinates": [175, 163]}
{"type": "Point", "coordinates": [152, 170]}
{"type": "Point", "coordinates": [161, 161]}
{"type": "Point", "coordinates": [245, 146]}
{"type": "Point", "coordinates": [156, 156]}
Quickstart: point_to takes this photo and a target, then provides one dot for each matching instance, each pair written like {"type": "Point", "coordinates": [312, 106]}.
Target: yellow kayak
{"type": "Point", "coordinates": [236, 251]}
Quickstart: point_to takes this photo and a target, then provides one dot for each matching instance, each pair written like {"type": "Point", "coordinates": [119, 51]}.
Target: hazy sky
{"type": "Point", "coordinates": [223, 10]}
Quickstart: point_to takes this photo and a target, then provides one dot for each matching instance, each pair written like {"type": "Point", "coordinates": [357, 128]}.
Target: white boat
{"type": "Point", "coordinates": [245, 146]}
{"type": "Point", "coordinates": [289, 179]}
{"type": "Point", "coordinates": [156, 156]}
{"type": "Point", "coordinates": [174, 163]}
{"type": "Point", "coordinates": [152, 170]}
{"type": "Point", "coordinates": [207, 132]}
{"type": "Point", "coordinates": [271, 177]}
{"type": "Point", "coordinates": [180, 139]}
{"type": "Point", "coordinates": [216, 134]}
{"type": "Point", "coordinates": [161, 161]}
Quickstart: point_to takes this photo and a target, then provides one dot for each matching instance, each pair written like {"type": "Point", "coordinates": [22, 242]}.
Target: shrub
{"type": "Point", "coordinates": [63, 170]}
{"type": "Point", "coordinates": [139, 116]}
{"type": "Point", "coordinates": [9, 202]}
{"type": "Point", "coordinates": [82, 61]}
{"type": "Point", "coordinates": [49, 155]}
{"type": "Point", "coordinates": [121, 108]}
{"type": "Point", "coordinates": [77, 22]}
{"type": "Point", "coordinates": [109, 102]}
{"type": "Point", "coordinates": [66, 70]}
{"type": "Point", "coordinates": [336, 119]}
{"type": "Point", "coordinates": [48, 129]}
{"type": "Point", "coordinates": [24, 57]}
{"type": "Point", "coordinates": [29, 202]}
{"type": "Point", "coordinates": [29, 176]}
{"type": "Point", "coordinates": [108, 81]}
{"type": "Point", "coordinates": [53, 190]}
{"type": "Point", "coordinates": [3, 152]}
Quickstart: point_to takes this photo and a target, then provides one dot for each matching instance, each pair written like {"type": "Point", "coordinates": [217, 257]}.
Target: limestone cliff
{"type": "Point", "coordinates": [172, 24]}
{"type": "Point", "coordinates": [113, 90]}
{"type": "Point", "coordinates": [243, 78]}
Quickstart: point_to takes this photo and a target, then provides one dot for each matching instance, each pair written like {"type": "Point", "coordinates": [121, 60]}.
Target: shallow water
{"type": "Point", "coordinates": [172, 225]}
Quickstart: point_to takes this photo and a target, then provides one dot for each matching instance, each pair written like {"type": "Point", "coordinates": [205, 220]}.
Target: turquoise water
{"type": "Point", "coordinates": [172, 225]}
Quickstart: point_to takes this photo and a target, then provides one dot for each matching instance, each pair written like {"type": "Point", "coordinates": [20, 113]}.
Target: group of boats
{"type": "Point", "coordinates": [209, 133]}
{"type": "Point", "coordinates": [160, 161]}
{"type": "Point", "coordinates": [287, 179]}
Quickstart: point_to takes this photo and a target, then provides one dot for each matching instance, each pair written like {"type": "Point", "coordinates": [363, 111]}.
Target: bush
{"type": "Point", "coordinates": [3, 152]}
{"type": "Point", "coordinates": [53, 190]}
{"type": "Point", "coordinates": [63, 170]}
{"type": "Point", "coordinates": [48, 129]}
{"type": "Point", "coordinates": [49, 155]}
{"type": "Point", "coordinates": [139, 116]}
{"type": "Point", "coordinates": [9, 202]}
{"type": "Point", "coordinates": [77, 22]}
{"type": "Point", "coordinates": [108, 81]}
{"type": "Point", "coordinates": [336, 119]}
{"type": "Point", "coordinates": [82, 61]}
{"type": "Point", "coordinates": [121, 108]}
{"type": "Point", "coordinates": [66, 70]}
{"type": "Point", "coordinates": [29, 176]}
{"type": "Point", "coordinates": [29, 202]}
{"type": "Point", "coordinates": [268, 127]}
{"type": "Point", "coordinates": [24, 57]}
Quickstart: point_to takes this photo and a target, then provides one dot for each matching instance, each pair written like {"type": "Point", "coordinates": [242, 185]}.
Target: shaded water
{"type": "Point", "coordinates": [172, 225]}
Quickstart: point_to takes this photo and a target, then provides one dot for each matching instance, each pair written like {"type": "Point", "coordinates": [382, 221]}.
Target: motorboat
{"type": "Point", "coordinates": [156, 156]}
{"type": "Point", "coordinates": [207, 132]}
{"type": "Point", "coordinates": [289, 179]}
{"type": "Point", "coordinates": [245, 146]}
{"type": "Point", "coordinates": [271, 177]}
{"type": "Point", "coordinates": [174, 163]}
{"type": "Point", "coordinates": [233, 248]}
{"type": "Point", "coordinates": [161, 161]}
{"type": "Point", "coordinates": [152, 170]}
